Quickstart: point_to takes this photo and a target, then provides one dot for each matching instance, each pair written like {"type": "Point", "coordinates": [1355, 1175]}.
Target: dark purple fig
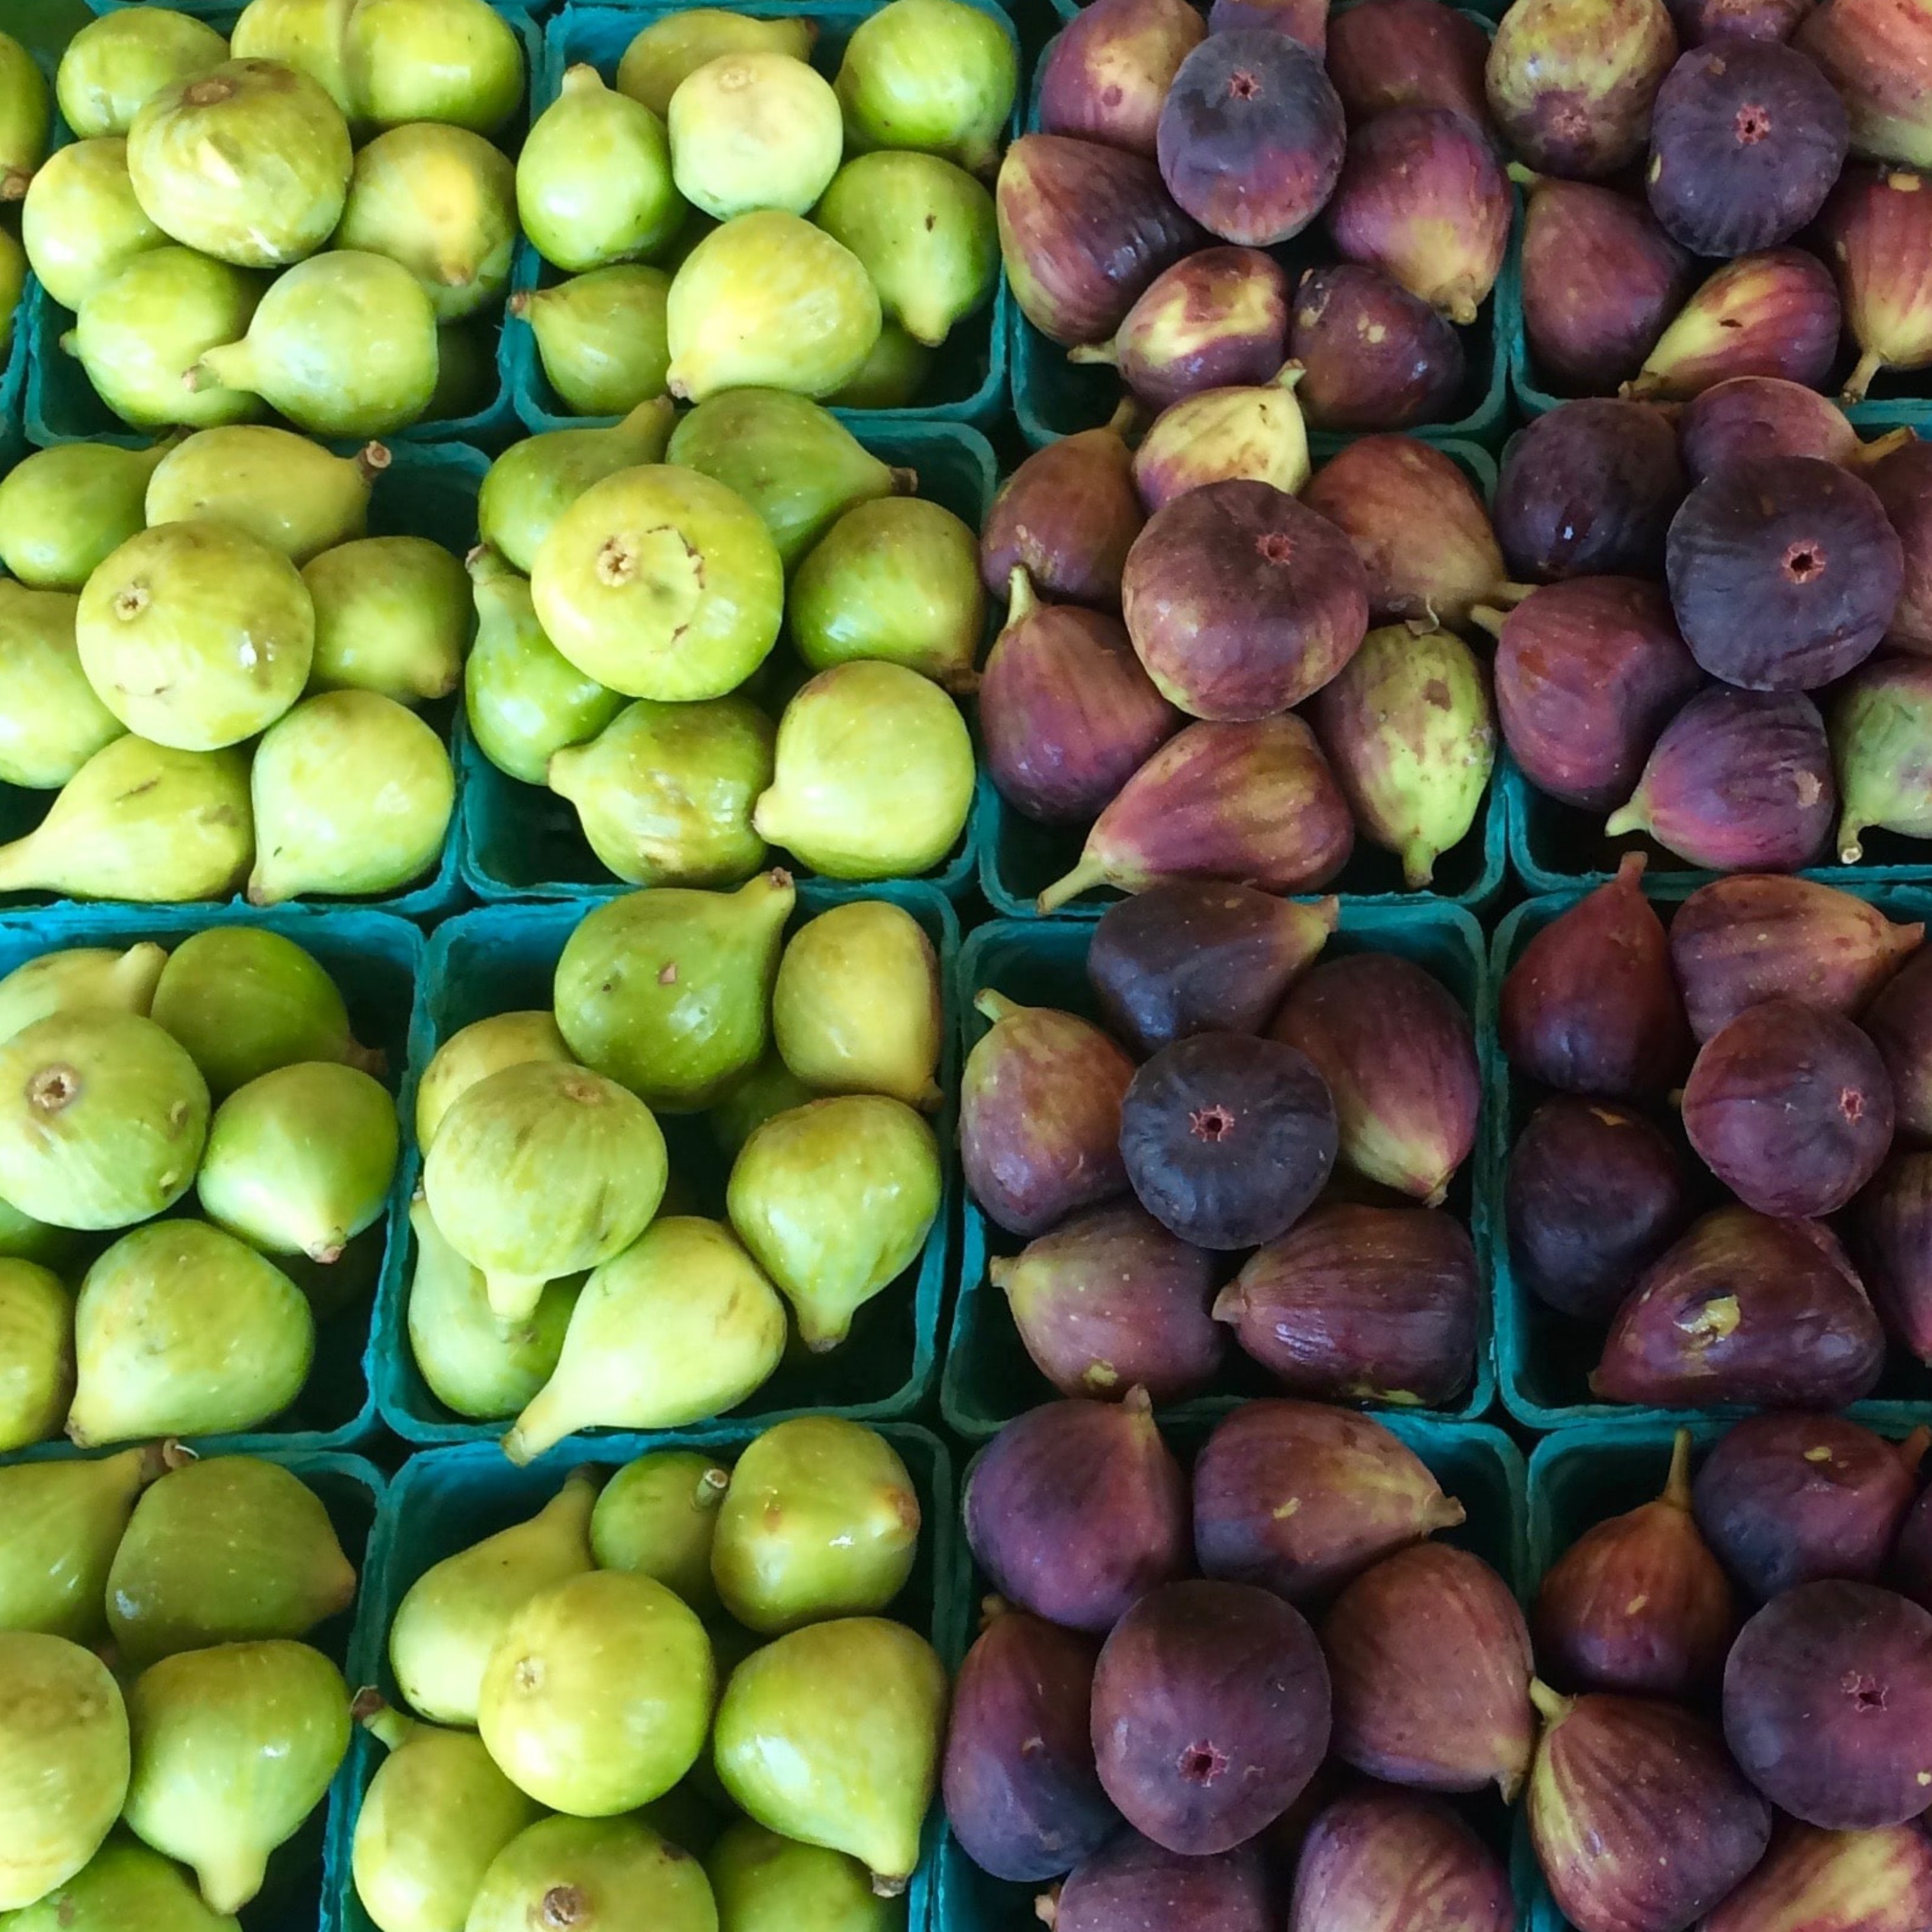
{"type": "Point", "coordinates": [1067, 516]}
{"type": "Point", "coordinates": [1814, 1881]}
{"type": "Point", "coordinates": [1751, 417]}
{"type": "Point", "coordinates": [1252, 803]}
{"type": "Point", "coordinates": [1912, 1558]}
{"type": "Point", "coordinates": [1700, 21]}
{"type": "Point", "coordinates": [1372, 356]}
{"type": "Point", "coordinates": [1588, 672]}
{"type": "Point", "coordinates": [1877, 227]}
{"type": "Point", "coordinates": [1136, 1886]}
{"type": "Point", "coordinates": [1190, 958]}
{"type": "Point", "coordinates": [1306, 21]}
{"type": "Point", "coordinates": [1759, 937]}
{"type": "Point", "coordinates": [1893, 1240]}
{"type": "Point", "coordinates": [1738, 780]}
{"type": "Point", "coordinates": [1595, 1194]}
{"type": "Point", "coordinates": [1876, 56]}
{"type": "Point", "coordinates": [1429, 1657]}
{"type": "Point", "coordinates": [1076, 1510]}
{"type": "Point", "coordinates": [1903, 479]}
{"type": "Point", "coordinates": [1743, 1308]}
{"type": "Point", "coordinates": [1899, 1023]}
{"type": "Point", "coordinates": [1251, 135]}
{"type": "Point", "coordinates": [1040, 1115]}
{"type": "Point", "coordinates": [1110, 1300]}
{"type": "Point", "coordinates": [1638, 1603]}
{"type": "Point", "coordinates": [1021, 1794]}
{"type": "Point", "coordinates": [1384, 1860]}
{"type": "Point", "coordinates": [1252, 433]}
{"type": "Point", "coordinates": [1407, 53]}
{"type": "Point", "coordinates": [1210, 1713]}
{"type": "Point", "coordinates": [1588, 490]}
{"type": "Point", "coordinates": [1083, 230]}
{"type": "Point", "coordinates": [1639, 1819]}
{"type": "Point", "coordinates": [1881, 732]}
{"type": "Point", "coordinates": [1227, 1140]}
{"type": "Point", "coordinates": [1773, 314]}
{"type": "Point", "coordinates": [1107, 72]}
{"type": "Point", "coordinates": [1067, 714]}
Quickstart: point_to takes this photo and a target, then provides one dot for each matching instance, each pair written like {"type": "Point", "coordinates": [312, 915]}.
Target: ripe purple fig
{"type": "Point", "coordinates": [1105, 74]}
{"type": "Point", "coordinates": [1299, 1498]}
{"type": "Point", "coordinates": [1372, 356]}
{"type": "Point", "coordinates": [1892, 1236]}
{"type": "Point", "coordinates": [1384, 1860]}
{"type": "Point", "coordinates": [1252, 433]}
{"type": "Point", "coordinates": [1305, 21]}
{"type": "Point", "coordinates": [1773, 314]}
{"type": "Point", "coordinates": [1040, 1115]}
{"type": "Point", "coordinates": [1067, 516]}
{"type": "Point", "coordinates": [1754, 416]}
{"type": "Point", "coordinates": [1227, 1140]}
{"type": "Point", "coordinates": [1699, 21]}
{"type": "Point", "coordinates": [1133, 1886]}
{"type": "Point", "coordinates": [1814, 1881]}
{"type": "Point", "coordinates": [1881, 733]}
{"type": "Point", "coordinates": [1877, 56]}
{"type": "Point", "coordinates": [1407, 53]}
{"type": "Point", "coordinates": [1076, 1510]}
{"type": "Point", "coordinates": [1899, 1023]}
{"type": "Point", "coordinates": [1020, 1792]}
{"type": "Point", "coordinates": [1743, 1309]}
{"type": "Point", "coordinates": [1903, 479]}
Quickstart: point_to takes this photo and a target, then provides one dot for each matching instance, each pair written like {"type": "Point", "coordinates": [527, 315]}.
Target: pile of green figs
{"type": "Point", "coordinates": [26, 127]}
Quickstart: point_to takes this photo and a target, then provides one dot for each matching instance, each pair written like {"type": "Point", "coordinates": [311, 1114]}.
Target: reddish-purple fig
{"type": "Point", "coordinates": [1299, 1498]}
{"type": "Point", "coordinates": [1746, 1309]}
{"type": "Point", "coordinates": [1107, 72]}
{"type": "Point", "coordinates": [1893, 1240]}
{"type": "Point", "coordinates": [1083, 230]}
{"type": "Point", "coordinates": [1252, 433]}
{"type": "Point", "coordinates": [1407, 53]}
{"type": "Point", "coordinates": [1699, 21]}
{"type": "Point", "coordinates": [1750, 417]}
{"type": "Point", "coordinates": [1877, 228]}
{"type": "Point", "coordinates": [1021, 1794]}
{"type": "Point", "coordinates": [1251, 135]}
{"type": "Point", "coordinates": [1899, 1023]}
{"type": "Point", "coordinates": [1878, 56]}
{"type": "Point", "coordinates": [1814, 1881]}
{"type": "Point", "coordinates": [1210, 1713]}
{"type": "Point", "coordinates": [1372, 356]}
{"type": "Point", "coordinates": [1076, 1510]}
{"type": "Point", "coordinates": [1227, 1140]}
{"type": "Point", "coordinates": [1040, 1115]}
{"type": "Point", "coordinates": [1738, 780]}
{"type": "Point", "coordinates": [1306, 21]}
{"type": "Point", "coordinates": [1067, 516]}
{"type": "Point", "coordinates": [1773, 314]}
{"type": "Point", "coordinates": [1903, 479]}
{"type": "Point", "coordinates": [1384, 1860]}
{"type": "Point", "coordinates": [1881, 731]}
{"type": "Point", "coordinates": [1133, 1886]}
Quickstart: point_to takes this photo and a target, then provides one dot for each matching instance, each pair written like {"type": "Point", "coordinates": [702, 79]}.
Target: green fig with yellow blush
{"type": "Point", "coordinates": [36, 1353]}
{"type": "Point", "coordinates": [476, 1051]}
{"type": "Point", "coordinates": [938, 76]}
{"type": "Point", "coordinates": [770, 1088]}
{"type": "Point", "coordinates": [81, 223]}
{"type": "Point", "coordinates": [124, 1884]}
{"type": "Point", "coordinates": [892, 376]}
{"type": "Point", "coordinates": [656, 1516]}
{"type": "Point", "coordinates": [764, 1882]}
{"type": "Point", "coordinates": [663, 55]}
{"type": "Point", "coordinates": [281, 489]}
{"type": "Point", "coordinates": [52, 719]}
{"type": "Point", "coordinates": [115, 64]}
{"type": "Point", "coordinates": [60, 1523]}
{"type": "Point", "coordinates": [393, 615]}
{"type": "Point", "coordinates": [601, 1871]}
{"type": "Point", "coordinates": [64, 511]}
{"type": "Point", "coordinates": [601, 337]}
{"type": "Point", "coordinates": [80, 977]}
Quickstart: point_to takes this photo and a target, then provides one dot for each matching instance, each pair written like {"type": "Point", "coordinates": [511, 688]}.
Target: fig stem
{"type": "Point", "coordinates": [1513, 594]}
{"type": "Point", "coordinates": [1126, 414]}
{"type": "Point", "coordinates": [1090, 871]}
{"type": "Point", "coordinates": [1525, 178]}
{"type": "Point", "coordinates": [1677, 1484]}
{"type": "Point", "coordinates": [1629, 817]}
{"type": "Point", "coordinates": [999, 1271]}
{"type": "Point", "coordinates": [1629, 870]}
{"type": "Point", "coordinates": [1912, 1451]}
{"type": "Point", "coordinates": [1860, 380]}
{"type": "Point", "coordinates": [1850, 851]}
{"type": "Point", "coordinates": [1492, 619]}
{"type": "Point", "coordinates": [1290, 373]}
{"type": "Point", "coordinates": [905, 481]}
{"type": "Point", "coordinates": [1093, 352]}
{"type": "Point", "coordinates": [994, 1006]}
{"type": "Point", "coordinates": [1552, 1705]}
{"type": "Point", "coordinates": [1880, 447]}
{"type": "Point", "coordinates": [1021, 602]}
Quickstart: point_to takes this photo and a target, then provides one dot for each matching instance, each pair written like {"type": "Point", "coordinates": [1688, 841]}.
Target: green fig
{"type": "Point", "coordinates": [873, 775]}
{"type": "Point", "coordinates": [182, 1330]}
{"type": "Point", "coordinates": [656, 1515]}
{"type": "Point", "coordinates": [1881, 730]}
{"type": "Point", "coordinates": [835, 1200]}
{"type": "Point", "coordinates": [51, 722]}
{"type": "Point", "coordinates": [224, 1550]}
{"type": "Point", "coordinates": [233, 1748]}
{"type": "Point", "coordinates": [830, 1735]}
{"type": "Point", "coordinates": [441, 202]}
{"type": "Point", "coordinates": [601, 337]}
{"type": "Point", "coordinates": [81, 976]}
{"type": "Point", "coordinates": [936, 75]}
{"type": "Point", "coordinates": [890, 378]}
{"type": "Point", "coordinates": [60, 1523]}
{"type": "Point", "coordinates": [458, 61]}
{"type": "Point", "coordinates": [124, 1885]}
{"type": "Point", "coordinates": [64, 511]}
{"type": "Point", "coordinates": [670, 992]}
{"type": "Point", "coordinates": [454, 1613]}
{"type": "Point", "coordinates": [474, 1052]}
{"type": "Point", "coordinates": [282, 489]}
{"type": "Point", "coordinates": [352, 794]}
{"type": "Point", "coordinates": [597, 1696]}
{"type": "Point", "coordinates": [26, 118]}
{"type": "Point", "coordinates": [659, 58]}
{"type": "Point", "coordinates": [756, 129]}
{"type": "Point", "coordinates": [311, 35]}
{"type": "Point", "coordinates": [616, 1874]}
{"type": "Point", "coordinates": [677, 1329]}
{"type": "Point", "coordinates": [765, 1883]}
{"type": "Point", "coordinates": [114, 65]}
{"type": "Point", "coordinates": [64, 1762]}
{"type": "Point", "coordinates": [36, 1354]}
{"type": "Point", "coordinates": [22, 1238]}
{"type": "Point", "coordinates": [81, 223]}
{"type": "Point", "coordinates": [392, 615]}
{"type": "Point", "coordinates": [13, 285]}
{"type": "Point", "coordinates": [434, 1817]}
{"type": "Point", "coordinates": [770, 1088]}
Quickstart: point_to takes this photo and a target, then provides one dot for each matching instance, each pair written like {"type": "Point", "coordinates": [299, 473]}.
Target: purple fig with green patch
{"type": "Point", "coordinates": [1251, 434]}
{"type": "Point", "coordinates": [1108, 70]}
{"type": "Point", "coordinates": [1877, 227]}
{"type": "Point", "coordinates": [1814, 1881]}
{"type": "Point", "coordinates": [1772, 314]}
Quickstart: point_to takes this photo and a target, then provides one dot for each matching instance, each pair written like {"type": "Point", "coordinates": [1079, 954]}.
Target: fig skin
{"type": "Point", "coordinates": [1076, 1510]}
{"type": "Point", "coordinates": [1898, 1022]}
{"type": "Point", "coordinates": [1109, 69]}
{"type": "Point", "coordinates": [1594, 1195]}
{"type": "Point", "coordinates": [1892, 1236]}
{"type": "Point", "coordinates": [1306, 21]}
{"type": "Point", "coordinates": [1747, 1309]}
{"type": "Point", "coordinates": [1814, 1881]}
{"type": "Point", "coordinates": [1407, 53]}
{"type": "Point", "coordinates": [1251, 434]}
{"type": "Point", "coordinates": [1751, 417]}
{"type": "Point", "coordinates": [1391, 1861]}
{"type": "Point", "coordinates": [1638, 1603]}
{"type": "Point", "coordinates": [1699, 21]}
{"type": "Point", "coordinates": [1775, 313]}
{"type": "Point", "coordinates": [1134, 1885]}
{"type": "Point", "coordinates": [1300, 1499]}
{"type": "Point", "coordinates": [1068, 515]}
{"type": "Point", "coordinates": [1876, 229]}
{"type": "Point", "coordinates": [1210, 1713]}
{"type": "Point", "coordinates": [1373, 356]}
{"type": "Point", "coordinates": [1902, 481]}
{"type": "Point", "coordinates": [1362, 1304]}
{"type": "Point", "coordinates": [1876, 56]}
{"type": "Point", "coordinates": [1881, 733]}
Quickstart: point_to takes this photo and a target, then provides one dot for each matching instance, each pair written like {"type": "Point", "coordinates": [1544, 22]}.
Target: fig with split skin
{"type": "Point", "coordinates": [1108, 70]}
{"type": "Point", "coordinates": [1752, 417]}
{"type": "Point", "coordinates": [1877, 1881]}
{"type": "Point", "coordinates": [1373, 355]}
{"type": "Point", "coordinates": [1386, 1858]}
{"type": "Point", "coordinates": [1881, 728]}
{"type": "Point", "coordinates": [1407, 53]}
{"type": "Point", "coordinates": [1067, 516]}
{"type": "Point", "coordinates": [1254, 432]}
{"type": "Point", "coordinates": [1776, 313]}
{"type": "Point", "coordinates": [1892, 1233]}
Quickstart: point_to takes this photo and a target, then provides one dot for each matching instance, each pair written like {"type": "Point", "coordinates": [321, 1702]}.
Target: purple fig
{"type": "Point", "coordinates": [1106, 74]}
{"type": "Point", "coordinates": [1299, 1498]}
{"type": "Point", "coordinates": [1639, 1819]}
{"type": "Point", "coordinates": [1083, 230]}
{"type": "Point", "coordinates": [1189, 957]}
{"type": "Point", "coordinates": [1407, 53]}
{"type": "Point", "coordinates": [1595, 1194]}
{"type": "Point", "coordinates": [1362, 1304]}
{"type": "Point", "coordinates": [1210, 1713]}
{"type": "Point", "coordinates": [1783, 573]}
{"type": "Point", "coordinates": [1881, 734]}
{"type": "Point", "coordinates": [1743, 1308]}
{"type": "Point", "coordinates": [1255, 803]}
{"type": "Point", "coordinates": [1912, 1558]}
{"type": "Point", "coordinates": [1067, 714]}
{"type": "Point", "coordinates": [1903, 479]}
{"type": "Point", "coordinates": [1020, 1792]}
{"type": "Point", "coordinates": [1306, 21]}
{"type": "Point", "coordinates": [1814, 1881]}
{"type": "Point", "coordinates": [1067, 516]}
{"type": "Point", "coordinates": [1251, 434]}
{"type": "Point", "coordinates": [1076, 1510]}
{"type": "Point", "coordinates": [1110, 1300]}
{"type": "Point", "coordinates": [1767, 936]}
{"type": "Point", "coordinates": [1750, 417]}
{"type": "Point", "coordinates": [1135, 1886]}
{"type": "Point", "coordinates": [1372, 356]}
{"type": "Point", "coordinates": [1588, 490]}
{"type": "Point", "coordinates": [1893, 1238]}
{"type": "Point", "coordinates": [1899, 1023]}
{"type": "Point", "coordinates": [1877, 56]}
{"type": "Point", "coordinates": [1790, 1107]}
{"type": "Point", "coordinates": [1773, 314]}
{"type": "Point", "coordinates": [1638, 1603]}
{"type": "Point", "coordinates": [1590, 1007]}
{"type": "Point", "coordinates": [1040, 1115]}
{"type": "Point", "coordinates": [1588, 672]}
{"type": "Point", "coordinates": [1738, 780]}
{"type": "Point", "coordinates": [1699, 21]}
{"type": "Point", "coordinates": [1384, 1860]}
{"type": "Point", "coordinates": [1877, 228]}
{"type": "Point", "coordinates": [1227, 1140]}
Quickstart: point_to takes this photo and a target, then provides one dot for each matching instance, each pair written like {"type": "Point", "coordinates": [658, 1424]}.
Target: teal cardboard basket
{"type": "Point", "coordinates": [520, 841]}
{"type": "Point", "coordinates": [988, 1378]}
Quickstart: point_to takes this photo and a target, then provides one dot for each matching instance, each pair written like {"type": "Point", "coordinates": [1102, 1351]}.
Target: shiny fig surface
{"type": "Point", "coordinates": [1108, 70]}
{"type": "Point", "coordinates": [1814, 1881]}
{"type": "Point", "coordinates": [1067, 516]}
{"type": "Point", "coordinates": [1754, 416]}
{"type": "Point", "coordinates": [1407, 53]}
{"type": "Point", "coordinates": [1395, 1861]}
{"type": "Point", "coordinates": [1373, 355]}
{"type": "Point", "coordinates": [1876, 228]}
{"type": "Point", "coordinates": [1133, 1884]}
{"type": "Point", "coordinates": [1773, 314]}
{"type": "Point", "coordinates": [1251, 433]}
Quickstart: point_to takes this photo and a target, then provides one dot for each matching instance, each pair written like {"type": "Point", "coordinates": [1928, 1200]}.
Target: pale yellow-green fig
{"type": "Point", "coordinates": [541, 1171]}
{"type": "Point", "coordinates": [182, 1330]}
{"type": "Point", "coordinates": [64, 510]}
{"type": "Point", "coordinates": [615, 1873]}
{"type": "Point", "coordinates": [233, 1748]}
{"type": "Point", "coordinates": [81, 223]}
{"type": "Point", "coordinates": [435, 1816]}
{"type": "Point", "coordinates": [601, 337]}
{"type": "Point", "coordinates": [64, 1762]}
{"type": "Point", "coordinates": [458, 61]}
{"type": "Point", "coordinates": [61, 1521]}
{"type": "Point", "coordinates": [474, 1052]}
{"type": "Point", "coordinates": [36, 1354]}
{"type": "Point", "coordinates": [765, 1883]}
{"type": "Point", "coordinates": [310, 35]}
{"type": "Point", "coordinates": [352, 793]}
{"type": "Point", "coordinates": [51, 722]}
{"type": "Point", "coordinates": [873, 776]}
{"type": "Point", "coordinates": [678, 1328]}
{"type": "Point", "coordinates": [22, 1238]}
{"type": "Point", "coordinates": [659, 58]}
{"type": "Point", "coordinates": [752, 130]}
{"type": "Point", "coordinates": [392, 615]}
{"type": "Point", "coordinates": [26, 118]}
{"type": "Point", "coordinates": [114, 65]}
{"type": "Point", "coordinates": [891, 378]}
{"type": "Point", "coordinates": [830, 1735]}
{"type": "Point", "coordinates": [855, 1006]}
{"type": "Point", "coordinates": [81, 976]}
{"type": "Point", "coordinates": [455, 1613]}
{"type": "Point", "coordinates": [282, 489]}
{"type": "Point", "coordinates": [770, 1088]}
{"type": "Point", "coordinates": [938, 75]}
{"type": "Point", "coordinates": [124, 1885]}
{"type": "Point", "coordinates": [835, 1200]}
{"type": "Point", "coordinates": [655, 1516]}
{"type": "Point", "coordinates": [598, 1695]}
{"type": "Point", "coordinates": [195, 635]}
